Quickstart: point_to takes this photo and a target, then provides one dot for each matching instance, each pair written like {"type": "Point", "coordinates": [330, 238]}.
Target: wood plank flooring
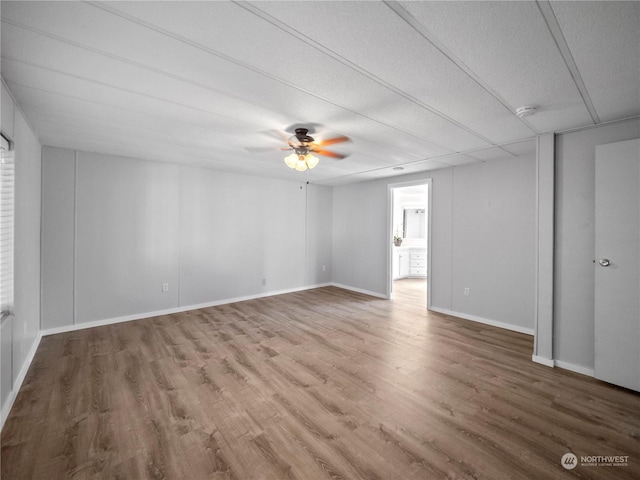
{"type": "Point", "coordinates": [320, 384]}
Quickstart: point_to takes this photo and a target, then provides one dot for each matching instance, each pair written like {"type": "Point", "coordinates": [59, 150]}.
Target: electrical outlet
{"type": "Point", "coordinates": [264, 281]}
{"type": "Point", "coordinates": [165, 287]}
{"type": "Point", "coordinates": [324, 268]}
{"type": "Point", "coordinates": [467, 291]}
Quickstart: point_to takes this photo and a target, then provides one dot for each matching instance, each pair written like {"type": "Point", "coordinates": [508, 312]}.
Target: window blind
{"type": "Point", "coordinates": [7, 182]}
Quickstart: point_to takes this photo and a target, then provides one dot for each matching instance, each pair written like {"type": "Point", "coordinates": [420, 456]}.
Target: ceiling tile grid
{"type": "Point", "coordinates": [376, 41]}
{"type": "Point", "coordinates": [271, 52]}
{"type": "Point", "coordinates": [422, 85]}
{"type": "Point", "coordinates": [605, 45]}
{"type": "Point", "coordinates": [508, 45]}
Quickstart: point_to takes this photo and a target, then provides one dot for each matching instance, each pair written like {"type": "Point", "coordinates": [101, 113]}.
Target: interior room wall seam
{"type": "Point", "coordinates": [545, 240]}
{"type": "Point", "coordinates": [554, 242]}
{"type": "Point", "coordinates": [536, 292]}
{"type": "Point", "coordinates": [41, 295]}
{"type": "Point", "coordinates": [75, 236]}
{"type": "Point", "coordinates": [180, 227]}
{"type": "Point", "coordinates": [452, 224]}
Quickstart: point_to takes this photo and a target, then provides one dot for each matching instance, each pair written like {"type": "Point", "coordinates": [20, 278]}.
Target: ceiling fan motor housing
{"type": "Point", "coordinates": [300, 139]}
{"type": "Point", "coordinates": [304, 144]}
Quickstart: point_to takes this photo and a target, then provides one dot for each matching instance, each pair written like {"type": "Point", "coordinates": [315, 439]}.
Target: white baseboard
{"type": "Point", "coordinates": [575, 368]}
{"type": "Point", "coordinates": [564, 365]}
{"type": "Point", "coordinates": [486, 321]}
{"type": "Point", "coordinates": [6, 408]}
{"type": "Point", "coordinates": [549, 362]}
{"type": "Point", "coordinates": [360, 290]}
{"type": "Point", "coordinates": [169, 311]}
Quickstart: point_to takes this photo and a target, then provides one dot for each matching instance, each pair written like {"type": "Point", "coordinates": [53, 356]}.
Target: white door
{"type": "Point", "coordinates": [617, 264]}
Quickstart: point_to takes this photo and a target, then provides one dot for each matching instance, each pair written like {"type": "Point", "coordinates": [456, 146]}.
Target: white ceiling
{"type": "Point", "coordinates": [420, 85]}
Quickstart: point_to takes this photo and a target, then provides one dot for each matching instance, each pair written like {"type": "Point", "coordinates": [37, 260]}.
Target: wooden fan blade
{"type": "Point", "coordinates": [327, 153]}
{"type": "Point", "coordinates": [331, 141]}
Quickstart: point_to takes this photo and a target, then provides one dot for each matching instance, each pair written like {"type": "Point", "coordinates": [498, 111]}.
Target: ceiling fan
{"type": "Point", "coordinates": [304, 146]}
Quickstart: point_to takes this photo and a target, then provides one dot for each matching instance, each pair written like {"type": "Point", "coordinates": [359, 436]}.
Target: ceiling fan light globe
{"type": "Point", "coordinates": [291, 160]}
{"type": "Point", "coordinates": [312, 160]}
{"type": "Point", "coordinates": [301, 165]}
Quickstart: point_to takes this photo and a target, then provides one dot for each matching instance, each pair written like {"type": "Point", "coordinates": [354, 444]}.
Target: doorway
{"type": "Point", "coordinates": [409, 221]}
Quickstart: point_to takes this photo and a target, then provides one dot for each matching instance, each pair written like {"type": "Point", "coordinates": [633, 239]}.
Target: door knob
{"type": "Point", "coordinates": [604, 262]}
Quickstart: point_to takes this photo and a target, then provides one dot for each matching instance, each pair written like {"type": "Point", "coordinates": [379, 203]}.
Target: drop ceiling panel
{"type": "Point", "coordinates": [383, 173]}
{"type": "Point", "coordinates": [151, 130]}
{"type": "Point", "coordinates": [422, 166]}
{"type": "Point", "coordinates": [94, 69]}
{"type": "Point", "coordinates": [371, 36]}
{"type": "Point", "coordinates": [456, 160]}
{"type": "Point", "coordinates": [77, 137]}
{"type": "Point", "coordinates": [50, 110]}
{"type": "Point", "coordinates": [153, 143]}
{"type": "Point", "coordinates": [199, 82]}
{"type": "Point", "coordinates": [511, 150]}
{"type": "Point", "coordinates": [30, 84]}
{"type": "Point", "coordinates": [604, 39]}
{"type": "Point", "coordinates": [487, 154]}
{"type": "Point", "coordinates": [510, 48]}
{"type": "Point", "coordinates": [144, 133]}
{"type": "Point", "coordinates": [217, 85]}
{"type": "Point", "coordinates": [94, 95]}
{"type": "Point", "coordinates": [520, 149]}
{"type": "Point", "coordinates": [89, 112]}
{"type": "Point", "coordinates": [278, 54]}
{"type": "Point", "coordinates": [82, 64]}
{"type": "Point", "coordinates": [84, 140]}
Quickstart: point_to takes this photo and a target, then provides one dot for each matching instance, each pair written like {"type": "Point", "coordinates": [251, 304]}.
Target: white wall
{"type": "Point", "coordinates": [58, 237]}
{"type": "Point", "coordinates": [116, 229]}
{"type": "Point", "coordinates": [483, 238]}
{"type": "Point", "coordinates": [237, 231]}
{"type": "Point", "coordinates": [126, 236]}
{"type": "Point", "coordinates": [441, 273]}
{"type": "Point", "coordinates": [494, 241]}
{"type": "Point", "coordinates": [319, 235]}
{"type": "Point", "coordinates": [360, 236]}
{"type": "Point", "coordinates": [25, 327]}
{"type": "Point", "coordinates": [574, 285]}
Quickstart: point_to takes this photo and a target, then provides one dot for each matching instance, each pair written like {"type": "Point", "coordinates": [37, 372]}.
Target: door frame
{"type": "Point", "coordinates": [390, 188]}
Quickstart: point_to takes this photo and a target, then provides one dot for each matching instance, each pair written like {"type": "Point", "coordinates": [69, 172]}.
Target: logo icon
{"type": "Point", "coordinates": [569, 461]}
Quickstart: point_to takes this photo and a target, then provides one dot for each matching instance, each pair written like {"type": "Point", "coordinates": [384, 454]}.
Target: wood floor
{"type": "Point", "coordinates": [321, 384]}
